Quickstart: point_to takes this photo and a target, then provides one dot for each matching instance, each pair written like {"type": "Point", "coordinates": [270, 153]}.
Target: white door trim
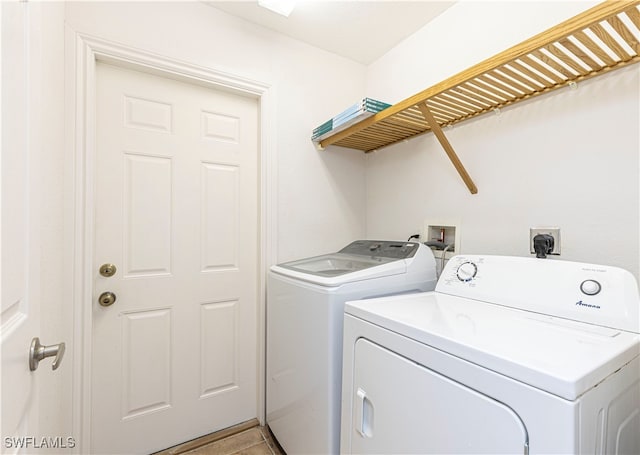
{"type": "Point", "coordinates": [83, 52]}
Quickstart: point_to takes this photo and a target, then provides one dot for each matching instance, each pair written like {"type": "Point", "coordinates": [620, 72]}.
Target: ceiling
{"type": "Point", "coordinates": [359, 30]}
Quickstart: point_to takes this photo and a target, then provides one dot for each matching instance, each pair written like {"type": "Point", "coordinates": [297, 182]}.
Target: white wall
{"type": "Point", "coordinates": [465, 34]}
{"type": "Point", "coordinates": [318, 192]}
{"type": "Point", "coordinates": [567, 159]}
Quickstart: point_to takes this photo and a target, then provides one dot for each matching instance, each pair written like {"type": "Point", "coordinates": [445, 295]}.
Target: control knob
{"type": "Point", "coordinates": [590, 287]}
{"type": "Point", "coordinates": [467, 271]}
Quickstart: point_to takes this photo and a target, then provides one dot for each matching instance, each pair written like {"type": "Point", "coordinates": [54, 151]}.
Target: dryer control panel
{"type": "Point", "coordinates": [596, 294]}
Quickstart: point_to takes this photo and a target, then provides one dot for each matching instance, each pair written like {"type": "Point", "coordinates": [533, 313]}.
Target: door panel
{"type": "Point", "coordinates": [176, 210]}
{"type": "Point", "coordinates": [402, 407]}
{"type": "Point", "coordinates": [219, 347]}
{"type": "Point", "coordinates": [19, 304]}
{"type": "Point", "coordinates": [147, 215]}
{"type": "Point", "coordinates": [220, 218]}
{"type": "Point", "coordinates": [146, 374]}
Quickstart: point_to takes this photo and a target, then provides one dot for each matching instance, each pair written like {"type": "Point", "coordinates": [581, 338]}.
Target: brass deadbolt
{"type": "Point", "coordinates": [108, 270]}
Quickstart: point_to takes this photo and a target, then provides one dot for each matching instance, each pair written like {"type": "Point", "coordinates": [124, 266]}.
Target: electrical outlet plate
{"type": "Point", "coordinates": [552, 231]}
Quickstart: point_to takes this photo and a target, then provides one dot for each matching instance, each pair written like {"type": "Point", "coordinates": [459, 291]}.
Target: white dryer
{"type": "Point", "coordinates": [305, 310]}
{"type": "Point", "coordinates": [508, 355]}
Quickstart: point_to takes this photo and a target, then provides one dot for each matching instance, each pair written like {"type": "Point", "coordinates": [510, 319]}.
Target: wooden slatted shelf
{"type": "Point", "coordinates": [597, 41]}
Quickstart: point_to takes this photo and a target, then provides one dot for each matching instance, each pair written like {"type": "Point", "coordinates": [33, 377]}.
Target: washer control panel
{"type": "Point", "coordinates": [382, 249]}
{"type": "Point", "coordinates": [596, 294]}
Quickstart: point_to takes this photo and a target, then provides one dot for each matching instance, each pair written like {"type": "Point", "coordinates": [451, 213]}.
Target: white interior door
{"type": "Point", "coordinates": [19, 321]}
{"type": "Point", "coordinates": [176, 211]}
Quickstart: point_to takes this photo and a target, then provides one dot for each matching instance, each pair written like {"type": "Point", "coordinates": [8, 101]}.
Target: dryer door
{"type": "Point", "coordinates": [402, 407]}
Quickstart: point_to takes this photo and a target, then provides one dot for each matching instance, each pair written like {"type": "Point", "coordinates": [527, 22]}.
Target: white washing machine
{"type": "Point", "coordinates": [508, 355]}
{"type": "Point", "coordinates": [305, 310]}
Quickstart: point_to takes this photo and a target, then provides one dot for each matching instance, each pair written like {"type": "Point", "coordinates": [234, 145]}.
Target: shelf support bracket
{"type": "Point", "coordinates": [444, 142]}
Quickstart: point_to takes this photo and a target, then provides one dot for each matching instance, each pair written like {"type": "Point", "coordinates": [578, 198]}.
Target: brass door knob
{"type": "Point", "coordinates": [107, 299]}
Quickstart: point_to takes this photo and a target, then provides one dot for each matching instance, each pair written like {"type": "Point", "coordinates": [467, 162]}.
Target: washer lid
{"type": "Point", "coordinates": [334, 264]}
{"type": "Point", "coordinates": [565, 358]}
{"type": "Point", "coordinates": [360, 260]}
{"type": "Point", "coordinates": [337, 268]}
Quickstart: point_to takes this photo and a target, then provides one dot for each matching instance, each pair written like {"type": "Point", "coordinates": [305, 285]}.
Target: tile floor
{"type": "Point", "coordinates": [254, 441]}
{"type": "Point", "coordinates": [244, 439]}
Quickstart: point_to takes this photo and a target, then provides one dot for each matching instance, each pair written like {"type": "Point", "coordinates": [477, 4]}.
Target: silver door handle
{"type": "Point", "coordinates": [37, 352]}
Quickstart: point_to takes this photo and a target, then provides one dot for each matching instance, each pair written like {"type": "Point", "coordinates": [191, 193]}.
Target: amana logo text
{"type": "Point", "coordinates": [588, 305]}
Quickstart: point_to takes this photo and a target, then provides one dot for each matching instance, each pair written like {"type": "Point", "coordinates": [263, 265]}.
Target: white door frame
{"type": "Point", "coordinates": [83, 53]}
